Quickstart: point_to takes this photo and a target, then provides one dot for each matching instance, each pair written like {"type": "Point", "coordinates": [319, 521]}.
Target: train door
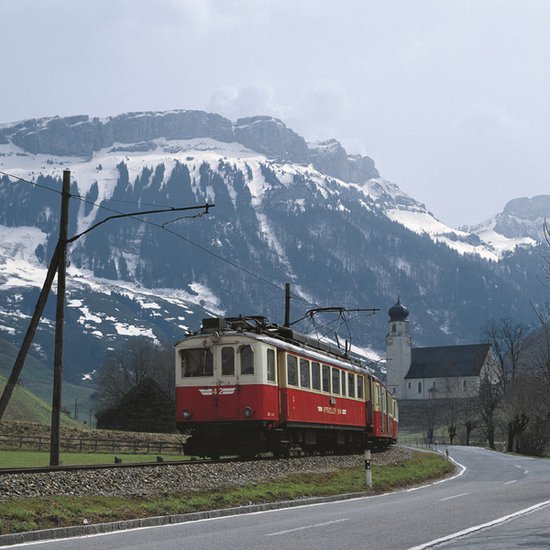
{"type": "Point", "coordinates": [376, 420]}
{"type": "Point", "coordinates": [281, 377]}
{"type": "Point", "coordinates": [368, 401]}
{"type": "Point", "coordinates": [383, 409]}
{"type": "Point", "coordinates": [225, 394]}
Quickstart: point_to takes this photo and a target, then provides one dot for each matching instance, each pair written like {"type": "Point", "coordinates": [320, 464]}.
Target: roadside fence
{"type": "Point", "coordinates": [92, 444]}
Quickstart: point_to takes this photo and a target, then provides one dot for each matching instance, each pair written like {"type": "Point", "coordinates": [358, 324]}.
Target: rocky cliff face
{"type": "Point", "coordinates": [520, 224]}
{"type": "Point", "coordinates": [524, 217]}
{"type": "Point", "coordinates": [271, 137]}
{"type": "Point", "coordinates": [329, 157]}
{"type": "Point", "coordinates": [82, 136]}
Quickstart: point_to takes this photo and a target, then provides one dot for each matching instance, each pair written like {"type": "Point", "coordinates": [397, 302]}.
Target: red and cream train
{"type": "Point", "coordinates": [246, 386]}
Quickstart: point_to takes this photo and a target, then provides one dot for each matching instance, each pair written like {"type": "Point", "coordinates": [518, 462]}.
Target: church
{"type": "Point", "coordinates": [430, 373]}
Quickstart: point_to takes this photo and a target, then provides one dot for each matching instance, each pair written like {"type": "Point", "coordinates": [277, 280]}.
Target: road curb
{"type": "Point", "coordinates": [157, 521]}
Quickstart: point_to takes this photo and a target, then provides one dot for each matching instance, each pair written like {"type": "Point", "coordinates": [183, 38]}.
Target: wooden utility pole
{"type": "Point", "coordinates": [29, 335]}
{"type": "Point", "coordinates": [58, 264]}
{"type": "Point", "coordinates": [60, 319]}
{"type": "Point", "coordinates": [287, 305]}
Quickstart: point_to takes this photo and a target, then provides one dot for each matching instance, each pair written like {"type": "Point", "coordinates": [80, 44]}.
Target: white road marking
{"type": "Point", "coordinates": [455, 496]}
{"type": "Point", "coordinates": [475, 528]}
{"type": "Point", "coordinates": [513, 481]}
{"type": "Point", "coordinates": [306, 527]}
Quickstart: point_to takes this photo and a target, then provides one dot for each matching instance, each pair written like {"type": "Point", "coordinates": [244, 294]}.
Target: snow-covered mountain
{"type": "Point", "coordinates": [521, 223]}
{"type": "Point", "coordinates": [285, 210]}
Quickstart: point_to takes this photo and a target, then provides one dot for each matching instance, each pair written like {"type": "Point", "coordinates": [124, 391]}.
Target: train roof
{"type": "Point", "coordinates": [267, 331]}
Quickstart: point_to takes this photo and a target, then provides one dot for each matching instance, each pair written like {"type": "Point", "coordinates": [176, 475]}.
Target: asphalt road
{"type": "Point", "coordinates": [492, 488]}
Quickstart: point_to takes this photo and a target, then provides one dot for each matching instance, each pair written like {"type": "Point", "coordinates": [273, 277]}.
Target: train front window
{"type": "Point", "coordinates": [247, 359]}
{"type": "Point", "coordinates": [304, 373]}
{"type": "Point", "coordinates": [228, 362]}
{"type": "Point", "coordinates": [196, 362]}
{"type": "Point", "coordinates": [292, 370]}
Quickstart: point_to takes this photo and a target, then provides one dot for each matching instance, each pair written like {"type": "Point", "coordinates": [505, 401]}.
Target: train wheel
{"type": "Point", "coordinates": [281, 451]}
{"type": "Point", "coordinates": [247, 456]}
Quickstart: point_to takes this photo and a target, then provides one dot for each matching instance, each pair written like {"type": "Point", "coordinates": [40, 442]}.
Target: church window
{"type": "Point", "coordinates": [433, 385]}
{"type": "Point", "coordinates": [409, 385]}
{"type": "Point", "coordinates": [464, 385]}
{"type": "Point", "coordinates": [393, 328]}
{"type": "Point", "coordinates": [419, 387]}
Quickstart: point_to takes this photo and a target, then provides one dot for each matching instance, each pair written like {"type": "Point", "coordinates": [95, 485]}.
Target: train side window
{"type": "Point", "coordinates": [360, 383]}
{"type": "Point", "coordinates": [304, 373]}
{"type": "Point", "coordinates": [247, 359]}
{"type": "Point", "coordinates": [315, 375]}
{"type": "Point", "coordinates": [270, 365]}
{"type": "Point", "coordinates": [335, 381]}
{"type": "Point", "coordinates": [326, 378]}
{"type": "Point", "coordinates": [343, 378]}
{"type": "Point", "coordinates": [228, 361]}
{"type": "Point", "coordinates": [292, 370]}
{"type": "Point", "coordinates": [351, 384]}
{"type": "Point", "coordinates": [196, 362]}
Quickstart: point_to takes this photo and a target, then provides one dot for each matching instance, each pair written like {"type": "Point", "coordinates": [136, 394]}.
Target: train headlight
{"type": "Point", "coordinates": [248, 411]}
{"type": "Point", "coordinates": [186, 414]}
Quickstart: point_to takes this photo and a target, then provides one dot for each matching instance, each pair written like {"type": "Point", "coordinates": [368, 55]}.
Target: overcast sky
{"type": "Point", "coordinates": [450, 98]}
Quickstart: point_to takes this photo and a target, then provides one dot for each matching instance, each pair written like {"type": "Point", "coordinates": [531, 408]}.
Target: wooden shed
{"type": "Point", "coordinates": [145, 408]}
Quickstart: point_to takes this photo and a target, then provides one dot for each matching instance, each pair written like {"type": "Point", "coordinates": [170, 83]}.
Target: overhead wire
{"type": "Point", "coordinates": [36, 184]}
{"type": "Point", "coordinates": [164, 228]}
{"type": "Point", "coordinates": [192, 243]}
{"type": "Point", "coordinates": [341, 319]}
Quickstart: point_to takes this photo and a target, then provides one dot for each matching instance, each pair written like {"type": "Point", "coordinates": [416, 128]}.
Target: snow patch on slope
{"type": "Point", "coordinates": [500, 243]}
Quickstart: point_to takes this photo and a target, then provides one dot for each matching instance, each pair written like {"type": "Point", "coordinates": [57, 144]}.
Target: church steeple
{"type": "Point", "coordinates": [398, 312]}
{"type": "Point", "coordinates": [398, 349]}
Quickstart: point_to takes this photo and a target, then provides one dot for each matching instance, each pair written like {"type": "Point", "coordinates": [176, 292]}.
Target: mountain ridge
{"type": "Point", "coordinates": [351, 243]}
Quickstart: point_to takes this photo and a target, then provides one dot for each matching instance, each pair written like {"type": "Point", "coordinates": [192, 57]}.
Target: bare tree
{"type": "Point", "coordinates": [509, 342]}
{"type": "Point", "coordinates": [538, 346]}
{"type": "Point", "coordinates": [451, 414]}
{"type": "Point", "coordinates": [534, 437]}
{"type": "Point", "coordinates": [516, 409]}
{"type": "Point", "coordinates": [469, 414]}
{"type": "Point", "coordinates": [126, 368]}
{"type": "Point", "coordinates": [490, 395]}
{"type": "Point", "coordinates": [430, 411]}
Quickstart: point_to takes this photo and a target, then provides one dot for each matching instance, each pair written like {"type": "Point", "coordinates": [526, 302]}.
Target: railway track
{"type": "Point", "coordinates": [88, 467]}
{"type": "Point", "coordinates": [153, 464]}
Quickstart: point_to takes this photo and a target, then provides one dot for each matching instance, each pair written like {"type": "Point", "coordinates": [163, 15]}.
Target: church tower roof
{"type": "Point", "coordinates": [398, 312]}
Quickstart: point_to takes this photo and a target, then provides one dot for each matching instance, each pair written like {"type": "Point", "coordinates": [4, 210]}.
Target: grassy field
{"type": "Point", "coordinates": [42, 513]}
{"type": "Point", "coordinates": [23, 459]}
{"type": "Point", "coordinates": [37, 377]}
{"type": "Point", "coordinates": [25, 405]}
